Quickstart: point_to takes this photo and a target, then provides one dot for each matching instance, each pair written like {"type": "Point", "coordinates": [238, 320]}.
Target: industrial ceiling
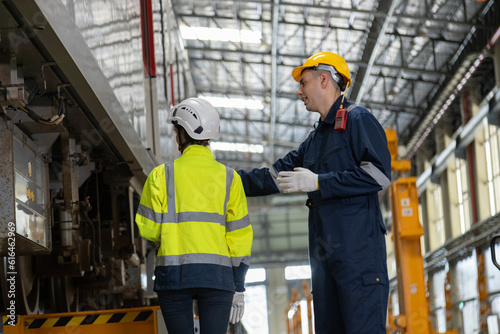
{"type": "Point", "coordinates": [401, 54]}
{"type": "Point", "coordinates": [407, 59]}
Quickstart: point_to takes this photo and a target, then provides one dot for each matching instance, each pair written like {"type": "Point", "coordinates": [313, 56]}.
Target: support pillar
{"type": "Point", "coordinates": [277, 299]}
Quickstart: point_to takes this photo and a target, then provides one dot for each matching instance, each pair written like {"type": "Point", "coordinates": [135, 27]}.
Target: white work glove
{"type": "Point", "coordinates": [238, 307]}
{"type": "Point", "coordinates": [300, 180]}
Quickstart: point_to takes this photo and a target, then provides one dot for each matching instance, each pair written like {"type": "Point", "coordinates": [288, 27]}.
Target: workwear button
{"type": "Point", "coordinates": [378, 279]}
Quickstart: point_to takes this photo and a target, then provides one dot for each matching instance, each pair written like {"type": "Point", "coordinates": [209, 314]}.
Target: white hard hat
{"type": "Point", "coordinates": [198, 117]}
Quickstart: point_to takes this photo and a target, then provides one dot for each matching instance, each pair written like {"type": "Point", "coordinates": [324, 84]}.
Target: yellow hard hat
{"type": "Point", "coordinates": [326, 58]}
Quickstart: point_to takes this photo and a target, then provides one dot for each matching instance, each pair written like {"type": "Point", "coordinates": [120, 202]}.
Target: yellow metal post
{"type": "Point", "coordinates": [392, 142]}
{"type": "Point", "coordinates": [411, 280]}
{"type": "Point", "coordinates": [123, 321]}
{"type": "Point", "coordinates": [484, 310]}
{"type": "Point", "coordinates": [413, 315]}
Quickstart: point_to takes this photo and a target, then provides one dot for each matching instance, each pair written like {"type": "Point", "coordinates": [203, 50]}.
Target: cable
{"type": "Point", "coordinates": [53, 121]}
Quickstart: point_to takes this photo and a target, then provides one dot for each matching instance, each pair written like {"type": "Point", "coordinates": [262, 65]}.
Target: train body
{"type": "Point", "coordinates": [83, 92]}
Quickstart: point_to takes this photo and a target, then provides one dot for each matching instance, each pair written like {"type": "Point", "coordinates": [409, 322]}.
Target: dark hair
{"type": "Point", "coordinates": [189, 140]}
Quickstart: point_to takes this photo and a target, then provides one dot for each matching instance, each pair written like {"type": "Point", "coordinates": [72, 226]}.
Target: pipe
{"type": "Point", "coordinates": [151, 99]}
{"type": "Point", "coordinates": [472, 178]}
{"type": "Point", "coordinates": [148, 54]}
{"type": "Point", "coordinates": [374, 54]}
{"type": "Point", "coordinates": [66, 228]}
{"type": "Point", "coordinates": [164, 50]}
{"type": "Point", "coordinates": [170, 51]}
{"type": "Point", "coordinates": [172, 84]}
{"type": "Point", "coordinates": [274, 80]}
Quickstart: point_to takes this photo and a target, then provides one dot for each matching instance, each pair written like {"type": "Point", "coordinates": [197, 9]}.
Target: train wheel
{"type": "Point", "coordinates": [63, 294]}
{"type": "Point", "coordinates": [28, 287]}
{"type": "Point", "coordinates": [94, 299]}
{"type": "Point", "coordinates": [90, 300]}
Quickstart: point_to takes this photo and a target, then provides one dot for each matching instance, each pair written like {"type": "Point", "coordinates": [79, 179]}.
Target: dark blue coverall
{"type": "Point", "coordinates": [346, 232]}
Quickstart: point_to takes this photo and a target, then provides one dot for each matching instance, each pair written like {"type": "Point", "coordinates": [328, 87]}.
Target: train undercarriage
{"type": "Point", "coordinates": [71, 172]}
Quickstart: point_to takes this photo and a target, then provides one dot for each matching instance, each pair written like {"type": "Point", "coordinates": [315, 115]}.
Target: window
{"type": "Point", "coordinates": [467, 295]}
{"type": "Point", "coordinates": [491, 146]}
{"type": "Point", "coordinates": [438, 300]}
{"type": "Point", "coordinates": [297, 272]}
{"type": "Point", "coordinates": [255, 275]}
{"type": "Point", "coordinates": [255, 318]}
{"type": "Point", "coordinates": [463, 195]}
{"type": "Point", "coordinates": [437, 219]}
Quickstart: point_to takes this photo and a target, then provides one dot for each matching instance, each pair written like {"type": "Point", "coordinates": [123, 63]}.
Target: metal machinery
{"type": "Point", "coordinates": [413, 317]}
{"type": "Point", "coordinates": [71, 170]}
{"type": "Point", "coordinates": [71, 210]}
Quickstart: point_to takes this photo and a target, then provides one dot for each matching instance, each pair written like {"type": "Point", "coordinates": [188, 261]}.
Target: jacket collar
{"type": "Point", "coordinates": [194, 149]}
{"type": "Point", "coordinates": [330, 117]}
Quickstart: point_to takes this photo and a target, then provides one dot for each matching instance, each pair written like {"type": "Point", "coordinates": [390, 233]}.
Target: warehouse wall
{"type": "Point", "coordinates": [459, 206]}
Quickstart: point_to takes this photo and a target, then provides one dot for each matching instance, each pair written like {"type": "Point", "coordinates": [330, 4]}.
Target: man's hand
{"type": "Point", "coordinates": [300, 180]}
{"type": "Point", "coordinates": [238, 307]}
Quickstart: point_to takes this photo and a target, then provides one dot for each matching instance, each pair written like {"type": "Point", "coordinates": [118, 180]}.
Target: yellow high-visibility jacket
{"type": "Point", "coordinates": [196, 207]}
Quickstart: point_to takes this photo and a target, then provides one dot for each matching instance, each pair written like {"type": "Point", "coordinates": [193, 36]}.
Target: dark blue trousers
{"type": "Point", "coordinates": [348, 263]}
{"type": "Point", "coordinates": [214, 307]}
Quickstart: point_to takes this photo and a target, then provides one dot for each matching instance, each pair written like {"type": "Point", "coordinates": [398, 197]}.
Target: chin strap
{"type": "Point", "coordinates": [183, 146]}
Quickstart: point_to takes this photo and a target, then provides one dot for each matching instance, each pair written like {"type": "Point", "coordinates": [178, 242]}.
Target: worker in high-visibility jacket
{"type": "Point", "coordinates": [196, 207]}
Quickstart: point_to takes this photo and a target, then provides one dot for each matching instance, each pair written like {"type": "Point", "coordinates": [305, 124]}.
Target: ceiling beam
{"type": "Point", "coordinates": [293, 96]}
{"type": "Point", "coordinates": [266, 121]}
{"type": "Point", "coordinates": [360, 64]}
{"type": "Point", "coordinates": [281, 22]}
{"type": "Point", "coordinates": [379, 13]}
{"type": "Point", "coordinates": [370, 53]}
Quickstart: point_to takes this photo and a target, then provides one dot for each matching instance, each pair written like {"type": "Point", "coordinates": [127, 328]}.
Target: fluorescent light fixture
{"type": "Point", "coordinates": [297, 272]}
{"type": "Point", "coordinates": [234, 102]}
{"type": "Point", "coordinates": [255, 275]}
{"type": "Point", "coordinates": [221, 34]}
{"type": "Point", "coordinates": [236, 147]}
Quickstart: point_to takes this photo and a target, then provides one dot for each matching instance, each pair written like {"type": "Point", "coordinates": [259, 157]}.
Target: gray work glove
{"type": "Point", "coordinates": [238, 307]}
{"type": "Point", "coordinates": [300, 180]}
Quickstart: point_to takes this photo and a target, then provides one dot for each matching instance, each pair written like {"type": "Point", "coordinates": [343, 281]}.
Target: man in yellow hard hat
{"type": "Point", "coordinates": [342, 165]}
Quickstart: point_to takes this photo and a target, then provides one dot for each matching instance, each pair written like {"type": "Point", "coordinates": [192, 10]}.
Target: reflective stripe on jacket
{"type": "Point", "coordinates": [196, 207]}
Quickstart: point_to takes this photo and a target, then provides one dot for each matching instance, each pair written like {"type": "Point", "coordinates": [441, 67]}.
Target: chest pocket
{"type": "Point", "coordinates": [329, 152]}
{"type": "Point", "coordinates": [339, 158]}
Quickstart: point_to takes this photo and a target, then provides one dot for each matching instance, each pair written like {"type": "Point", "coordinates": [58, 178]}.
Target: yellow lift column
{"type": "Point", "coordinates": [413, 318]}
{"type": "Point", "coordinates": [413, 315]}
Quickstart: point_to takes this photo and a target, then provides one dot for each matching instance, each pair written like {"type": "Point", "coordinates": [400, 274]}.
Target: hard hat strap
{"type": "Point", "coordinates": [334, 73]}
{"type": "Point", "coordinates": [182, 146]}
